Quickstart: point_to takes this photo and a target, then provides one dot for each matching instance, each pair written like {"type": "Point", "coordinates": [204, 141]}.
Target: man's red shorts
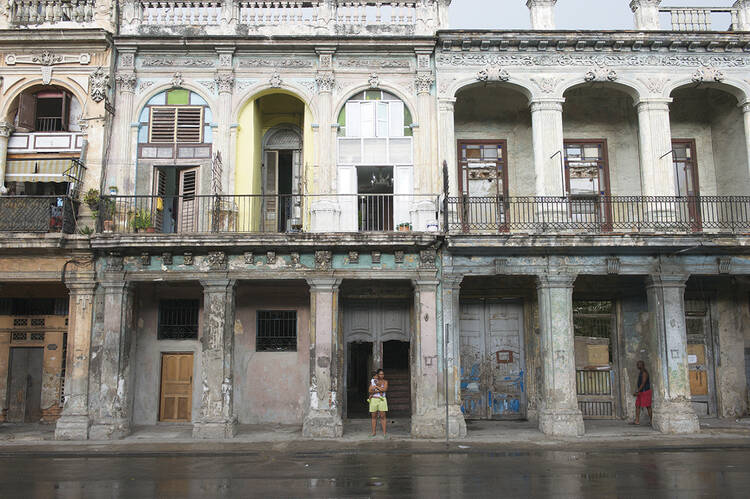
{"type": "Point", "coordinates": [643, 399]}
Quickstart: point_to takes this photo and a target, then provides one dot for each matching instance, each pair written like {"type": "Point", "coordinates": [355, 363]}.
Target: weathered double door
{"type": "Point", "coordinates": [492, 360]}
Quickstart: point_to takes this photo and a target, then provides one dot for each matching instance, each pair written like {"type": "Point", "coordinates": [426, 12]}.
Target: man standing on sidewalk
{"type": "Point", "coordinates": [642, 393]}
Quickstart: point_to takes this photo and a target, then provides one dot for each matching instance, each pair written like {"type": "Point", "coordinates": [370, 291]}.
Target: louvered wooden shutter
{"type": "Point", "coordinates": [188, 215]}
{"type": "Point", "coordinates": [270, 202]}
{"type": "Point", "coordinates": [160, 190]}
{"type": "Point", "coordinates": [27, 112]}
{"type": "Point", "coordinates": [189, 124]}
{"type": "Point", "coordinates": [163, 124]}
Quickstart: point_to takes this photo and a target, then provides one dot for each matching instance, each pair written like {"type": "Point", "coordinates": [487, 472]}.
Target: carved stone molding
{"type": "Point", "coordinates": [114, 262]}
{"type": "Point", "coordinates": [376, 257]}
{"type": "Point", "coordinates": [353, 257]}
{"type": "Point", "coordinates": [373, 80]}
{"type": "Point", "coordinates": [217, 260]}
{"type": "Point", "coordinates": [47, 58]}
{"type": "Point", "coordinates": [600, 73]}
{"type": "Point", "coordinates": [270, 257]}
{"type": "Point", "coordinates": [224, 82]}
{"type": "Point", "coordinates": [707, 74]}
{"type": "Point", "coordinates": [294, 257]}
{"type": "Point", "coordinates": [126, 81]}
{"type": "Point", "coordinates": [6, 129]}
{"type": "Point", "coordinates": [144, 85]}
{"type": "Point", "coordinates": [177, 79]}
{"type": "Point", "coordinates": [654, 84]}
{"type": "Point", "coordinates": [275, 80]}
{"type": "Point", "coordinates": [488, 74]}
{"type": "Point", "coordinates": [145, 259]}
{"type": "Point", "coordinates": [325, 82]}
{"type": "Point", "coordinates": [423, 83]}
{"type": "Point", "coordinates": [98, 84]}
{"type": "Point", "coordinates": [161, 62]}
{"type": "Point", "coordinates": [428, 259]}
{"type": "Point", "coordinates": [323, 260]}
{"type": "Point", "coordinates": [249, 258]}
{"type": "Point", "coordinates": [187, 258]}
{"type": "Point", "coordinates": [546, 84]}
{"type": "Point", "coordinates": [398, 256]}
{"type": "Point", "coordinates": [613, 265]}
{"type": "Point", "coordinates": [166, 258]}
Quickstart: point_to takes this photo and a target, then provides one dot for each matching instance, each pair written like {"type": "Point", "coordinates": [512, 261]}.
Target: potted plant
{"type": "Point", "coordinates": [142, 221]}
{"type": "Point", "coordinates": [91, 198]}
{"type": "Point", "coordinates": [404, 227]}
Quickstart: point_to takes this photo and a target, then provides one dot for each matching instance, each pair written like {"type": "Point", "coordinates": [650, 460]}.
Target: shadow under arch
{"type": "Point", "coordinates": [262, 91]}
{"type": "Point", "coordinates": [634, 91]}
{"type": "Point", "coordinates": [467, 85]}
{"type": "Point", "coordinates": [410, 105]}
{"type": "Point", "coordinates": [11, 103]}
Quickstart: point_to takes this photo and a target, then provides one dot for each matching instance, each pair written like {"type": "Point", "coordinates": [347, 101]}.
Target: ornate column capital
{"type": "Point", "coordinates": [6, 129]}
{"type": "Point", "coordinates": [224, 82]}
{"type": "Point", "coordinates": [325, 82]}
{"type": "Point", "coordinates": [551, 104]}
{"type": "Point", "coordinates": [126, 81]}
{"type": "Point", "coordinates": [556, 280]}
{"type": "Point", "coordinates": [653, 104]}
{"type": "Point", "coordinates": [423, 83]}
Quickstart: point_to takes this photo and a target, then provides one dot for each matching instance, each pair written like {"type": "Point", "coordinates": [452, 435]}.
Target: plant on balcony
{"type": "Point", "coordinates": [404, 227]}
{"type": "Point", "coordinates": [142, 221]}
{"type": "Point", "coordinates": [92, 198]}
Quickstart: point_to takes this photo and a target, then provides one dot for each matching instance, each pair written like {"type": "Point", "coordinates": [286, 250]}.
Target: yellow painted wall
{"type": "Point", "coordinates": [259, 116]}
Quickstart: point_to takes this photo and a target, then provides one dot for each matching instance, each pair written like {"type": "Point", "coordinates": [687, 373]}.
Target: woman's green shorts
{"type": "Point", "coordinates": [378, 404]}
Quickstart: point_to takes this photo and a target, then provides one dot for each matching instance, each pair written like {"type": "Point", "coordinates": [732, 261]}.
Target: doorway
{"type": "Point", "coordinates": [25, 385]}
{"type": "Point", "coordinates": [396, 367]}
{"type": "Point", "coordinates": [175, 404]}
{"type": "Point", "coordinates": [359, 372]}
{"type": "Point", "coordinates": [701, 361]}
{"type": "Point", "coordinates": [684, 158]}
{"type": "Point", "coordinates": [282, 158]}
{"type": "Point", "coordinates": [177, 188]}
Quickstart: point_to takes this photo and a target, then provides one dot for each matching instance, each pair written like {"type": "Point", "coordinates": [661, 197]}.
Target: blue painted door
{"type": "Point", "coordinates": [492, 360]}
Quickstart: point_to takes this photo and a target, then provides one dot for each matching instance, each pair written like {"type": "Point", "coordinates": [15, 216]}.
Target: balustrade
{"type": "Point", "coordinates": [180, 13]}
{"type": "Point", "coordinates": [34, 12]}
{"type": "Point", "coordinates": [702, 18]}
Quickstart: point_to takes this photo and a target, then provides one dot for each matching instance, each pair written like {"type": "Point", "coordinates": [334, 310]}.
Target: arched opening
{"type": "Point", "coordinates": [709, 149]}
{"type": "Point", "coordinates": [375, 162]}
{"type": "Point", "coordinates": [492, 125]}
{"type": "Point", "coordinates": [274, 144]}
{"type": "Point", "coordinates": [600, 151]}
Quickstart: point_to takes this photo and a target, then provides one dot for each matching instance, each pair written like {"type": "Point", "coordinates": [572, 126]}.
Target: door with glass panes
{"type": "Point", "coordinates": [587, 183]}
{"type": "Point", "coordinates": [483, 184]}
{"type": "Point", "coordinates": [686, 181]}
{"type": "Point", "coordinates": [176, 203]}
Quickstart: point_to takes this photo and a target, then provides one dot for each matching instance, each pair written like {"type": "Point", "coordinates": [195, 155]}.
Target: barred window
{"type": "Point", "coordinates": [276, 331]}
{"type": "Point", "coordinates": [178, 319]}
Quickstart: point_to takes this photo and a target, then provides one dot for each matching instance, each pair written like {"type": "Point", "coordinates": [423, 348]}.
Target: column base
{"type": "Point", "coordinates": [215, 430]}
{"type": "Point", "coordinates": [675, 418]}
{"type": "Point", "coordinates": [322, 424]}
{"type": "Point", "coordinates": [432, 424]}
{"type": "Point", "coordinates": [72, 427]}
{"type": "Point", "coordinates": [109, 431]}
{"type": "Point", "coordinates": [561, 423]}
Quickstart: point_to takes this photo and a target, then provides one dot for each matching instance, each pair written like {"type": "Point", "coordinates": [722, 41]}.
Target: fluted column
{"type": "Point", "coordinates": [673, 412]}
{"type": "Point", "coordinates": [745, 106]}
{"type": "Point", "coordinates": [451, 291]}
{"type": "Point", "coordinates": [559, 413]}
{"type": "Point", "coordinates": [126, 81]}
{"type": "Point", "coordinates": [646, 14]}
{"type": "Point", "coordinates": [217, 418]}
{"type": "Point", "coordinates": [115, 408]}
{"type": "Point", "coordinates": [324, 419]}
{"type": "Point", "coordinates": [542, 14]}
{"type": "Point", "coordinates": [547, 136]}
{"type": "Point", "coordinates": [6, 129]}
{"type": "Point", "coordinates": [74, 422]}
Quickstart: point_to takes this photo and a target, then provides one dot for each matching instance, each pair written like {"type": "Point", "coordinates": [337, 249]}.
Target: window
{"type": "Point", "coordinates": [178, 319]}
{"type": "Point", "coordinates": [276, 331]}
{"type": "Point", "coordinates": [176, 124]}
{"type": "Point", "coordinates": [47, 111]}
{"type": "Point", "coordinates": [33, 306]}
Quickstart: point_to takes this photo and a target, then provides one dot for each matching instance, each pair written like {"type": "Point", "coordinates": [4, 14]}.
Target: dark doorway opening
{"type": "Point", "coordinates": [25, 386]}
{"type": "Point", "coordinates": [396, 367]}
{"type": "Point", "coordinates": [285, 189]}
{"type": "Point", "coordinates": [359, 374]}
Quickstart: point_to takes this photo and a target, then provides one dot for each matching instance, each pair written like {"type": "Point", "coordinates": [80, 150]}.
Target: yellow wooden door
{"type": "Point", "coordinates": [176, 387]}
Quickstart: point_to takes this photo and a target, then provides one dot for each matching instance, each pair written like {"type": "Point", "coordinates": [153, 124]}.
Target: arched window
{"type": "Point", "coordinates": [375, 158]}
{"type": "Point", "coordinates": [175, 123]}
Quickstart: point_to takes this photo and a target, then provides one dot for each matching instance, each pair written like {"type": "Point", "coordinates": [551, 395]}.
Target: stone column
{"type": "Point", "coordinates": [559, 413]}
{"type": "Point", "coordinates": [323, 419]}
{"type": "Point", "coordinates": [745, 106]}
{"type": "Point", "coordinates": [451, 328]}
{"type": "Point", "coordinates": [542, 13]}
{"type": "Point", "coordinates": [646, 14]}
{"type": "Point", "coordinates": [547, 136]}
{"type": "Point", "coordinates": [673, 412]}
{"type": "Point", "coordinates": [126, 82]}
{"type": "Point", "coordinates": [6, 129]}
{"type": "Point", "coordinates": [447, 143]}
{"type": "Point", "coordinates": [224, 81]}
{"type": "Point", "coordinates": [657, 168]}
{"type": "Point", "coordinates": [217, 419]}
{"type": "Point", "coordinates": [115, 397]}
{"type": "Point", "coordinates": [743, 15]}
{"type": "Point", "coordinates": [423, 209]}
{"type": "Point", "coordinates": [428, 414]}
{"type": "Point", "coordinates": [74, 422]}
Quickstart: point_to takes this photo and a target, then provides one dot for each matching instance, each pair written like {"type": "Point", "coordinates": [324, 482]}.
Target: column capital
{"type": "Point", "coordinates": [323, 284]}
{"type": "Point", "coordinates": [6, 129]}
{"type": "Point", "coordinates": [555, 280]}
{"type": "Point", "coordinates": [447, 105]}
{"type": "Point", "coordinates": [676, 280]}
{"type": "Point", "coordinates": [550, 104]}
{"type": "Point", "coordinates": [653, 104]}
{"type": "Point", "coordinates": [81, 287]}
{"type": "Point", "coordinates": [452, 281]}
{"type": "Point", "coordinates": [116, 285]}
{"type": "Point", "coordinates": [217, 285]}
{"type": "Point", "coordinates": [421, 284]}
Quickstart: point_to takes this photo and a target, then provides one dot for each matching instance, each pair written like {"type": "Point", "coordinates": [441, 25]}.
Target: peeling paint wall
{"type": "Point", "coordinates": [271, 387]}
{"type": "Point", "coordinates": [149, 349]}
{"type": "Point", "coordinates": [636, 344]}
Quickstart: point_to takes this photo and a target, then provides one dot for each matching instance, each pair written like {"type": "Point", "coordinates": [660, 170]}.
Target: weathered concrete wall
{"type": "Point", "coordinates": [149, 350]}
{"type": "Point", "coordinates": [635, 345]}
{"type": "Point", "coordinates": [733, 317]}
{"type": "Point", "coordinates": [500, 113]}
{"type": "Point", "coordinates": [730, 150]}
{"type": "Point", "coordinates": [271, 387]}
{"type": "Point", "coordinates": [603, 113]}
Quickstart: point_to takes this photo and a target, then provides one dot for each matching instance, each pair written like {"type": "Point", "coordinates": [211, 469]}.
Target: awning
{"type": "Point", "coordinates": [37, 170]}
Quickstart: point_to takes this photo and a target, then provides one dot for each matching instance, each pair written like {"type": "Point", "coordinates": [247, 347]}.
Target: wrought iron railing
{"type": "Point", "coordinates": [37, 214]}
{"type": "Point", "coordinates": [603, 214]}
{"type": "Point", "coordinates": [269, 213]}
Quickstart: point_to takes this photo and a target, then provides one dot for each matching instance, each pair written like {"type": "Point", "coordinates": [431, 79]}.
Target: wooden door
{"type": "Point", "coordinates": [27, 112]}
{"type": "Point", "coordinates": [686, 181]}
{"type": "Point", "coordinates": [587, 183]}
{"type": "Point", "coordinates": [25, 394]}
{"type": "Point", "coordinates": [483, 184]}
{"type": "Point", "coordinates": [270, 192]}
{"type": "Point", "coordinates": [176, 387]}
{"type": "Point", "coordinates": [700, 350]}
{"type": "Point", "coordinates": [189, 211]}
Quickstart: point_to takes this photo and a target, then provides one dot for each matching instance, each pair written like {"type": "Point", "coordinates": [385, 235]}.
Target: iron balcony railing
{"type": "Point", "coordinates": [38, 214]}
{"type": "Point", "coordinates": [596, 215]}
{"type": "Point", "coordinates": [269, 213]}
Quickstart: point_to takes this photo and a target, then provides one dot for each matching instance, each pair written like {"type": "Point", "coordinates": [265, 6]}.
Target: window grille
{"type": "Point", "coordinates": [178, 319]}
{"type": "Point", "coordinates": [20, 322]}
{"type": "Point", "coordinates": [63, 368]}
{"type": "Point", "coordinates": [37, 336]}
{"type": "Point", "coordinates": [18, 336]}
{"type": "Point", "coordinates": [37, 322]}
{"type": "Point", "coordinates": [276, 331]}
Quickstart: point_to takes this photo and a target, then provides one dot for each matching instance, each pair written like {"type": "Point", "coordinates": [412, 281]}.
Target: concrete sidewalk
{"type": "Point", "coordinates": [177, 438]}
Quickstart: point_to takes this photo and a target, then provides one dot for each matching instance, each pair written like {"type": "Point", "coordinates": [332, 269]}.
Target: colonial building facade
{"type": "Point", "coordinates": [227, 213]}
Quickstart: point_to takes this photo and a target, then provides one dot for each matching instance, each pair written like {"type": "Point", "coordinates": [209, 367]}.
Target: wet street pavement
{"type": "Point", "coordinates": [412, 470]}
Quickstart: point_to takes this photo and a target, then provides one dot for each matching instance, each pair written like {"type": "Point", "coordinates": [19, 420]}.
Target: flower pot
{"type": "Point", "coordinates": [404, 228]}
{"type": "Point", "coordinates": [150, 230]}
{"type": "Point", "coordinates": [109, 225]}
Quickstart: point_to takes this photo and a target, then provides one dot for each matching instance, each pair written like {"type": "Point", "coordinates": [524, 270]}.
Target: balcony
{"type": "Point", "coordinates": [248, 214]}
{"type": "Point", "coordinates": [286, 17]}
{"type": "Point", "coordinates": [692, 19]}
{"type": "Point", "coordinates": [45, 142]}
{"type": "Point", "coordinates": [599, 215]}
{"type": "Point", "coordinates": [38, 214]}
{"type": "Point", "coordinates": [57, 13]}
